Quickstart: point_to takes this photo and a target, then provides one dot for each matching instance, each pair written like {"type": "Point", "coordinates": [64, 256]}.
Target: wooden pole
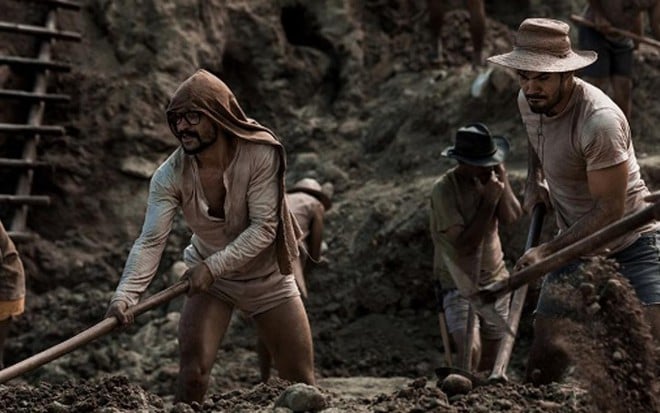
{"type": "Point", "coordinates": [570, 253]}
{"type": "Point", "coordinates": [517, 302]}
{"type": "Point", "coordinates": [100, 329]}
{"type": "Point", "coordinates": [581, 20]}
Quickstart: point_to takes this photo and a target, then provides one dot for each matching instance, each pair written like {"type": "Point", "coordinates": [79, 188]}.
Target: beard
{"type": "Point", "coordinates": [199, 147]}
{"type": "Point", "coordinates": [545, 106]}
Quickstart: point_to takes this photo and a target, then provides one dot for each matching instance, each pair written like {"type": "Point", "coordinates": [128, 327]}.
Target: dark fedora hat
{"type": "Point", "coordinates": [475, 145]}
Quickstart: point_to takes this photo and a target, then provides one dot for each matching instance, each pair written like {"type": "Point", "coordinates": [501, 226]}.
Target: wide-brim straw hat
{"type": "Point", "coordinates": [543, 45]}
{"type": "Point", "coordinates": [312, 187]}
{"type": "Point", "coordinates": [475, 145]}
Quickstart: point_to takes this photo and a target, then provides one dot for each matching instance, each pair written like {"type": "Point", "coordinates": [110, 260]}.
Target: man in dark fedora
{"type": "Point", "coordinates": [581, 163]}
{"type": "Point", "coordinates": [467, 204]}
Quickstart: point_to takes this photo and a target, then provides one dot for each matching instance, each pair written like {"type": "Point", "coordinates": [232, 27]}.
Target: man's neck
{"type": "Point", "coordinates": [218, 155]}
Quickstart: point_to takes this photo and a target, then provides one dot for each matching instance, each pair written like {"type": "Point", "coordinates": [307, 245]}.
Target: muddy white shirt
{"type": "Point", "coordinates": [591, 133]}
{"type": "Point", "coordinates": [239, 247]}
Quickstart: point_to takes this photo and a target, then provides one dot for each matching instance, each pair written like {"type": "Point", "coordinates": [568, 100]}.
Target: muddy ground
{"type": "Point", "coordinates": [351, 89]}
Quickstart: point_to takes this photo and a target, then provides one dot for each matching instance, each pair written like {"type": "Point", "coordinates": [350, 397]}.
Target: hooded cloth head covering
{"type": "Point", "coordinates": [208, 94]}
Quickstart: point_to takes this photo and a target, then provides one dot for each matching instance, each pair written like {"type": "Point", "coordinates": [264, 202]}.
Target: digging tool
{"type": "Point", "coordinates": [598, 239]}
{"type": "Point", "coordinates": [442, 322]}
{"type": "Point", "coordinates": [503, 357]}
{"type": "Point", "coordinates": [100, 329]}
{"type": "Point", "coordinates": [466, 363]}
{"type": "Point", "coordinates": [614, 30]}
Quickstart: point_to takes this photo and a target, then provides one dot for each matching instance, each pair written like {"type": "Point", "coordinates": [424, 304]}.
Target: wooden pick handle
{"type": "Point", "coordinates": [100, 329]}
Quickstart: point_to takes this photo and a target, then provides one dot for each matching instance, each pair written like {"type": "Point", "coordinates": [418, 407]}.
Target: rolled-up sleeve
{"type": "Point", "coordinates": [144, 258]}
{"type": "Point", "coordinates": [263, 203]}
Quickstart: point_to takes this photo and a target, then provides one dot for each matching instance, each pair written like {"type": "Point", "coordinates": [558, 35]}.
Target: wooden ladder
{"type": "Point", "coordinates": [33, 129]}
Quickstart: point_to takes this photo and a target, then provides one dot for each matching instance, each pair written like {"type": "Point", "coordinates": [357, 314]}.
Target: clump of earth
{"type": "Point", "coordinates": [351, 89]}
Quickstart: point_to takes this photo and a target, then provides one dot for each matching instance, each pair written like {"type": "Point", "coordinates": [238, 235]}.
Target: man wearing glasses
{"type": "Point", "coordinates": [228, 180]}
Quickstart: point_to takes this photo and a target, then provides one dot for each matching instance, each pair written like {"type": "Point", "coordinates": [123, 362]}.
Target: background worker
{"type": "Point", "coordinates": [437, 10]}
{"type": "Point", "coordinates": [613, 69]}
{"type": "Point", "coordinates": [308, 201]}
{"type": "Point", "coordinates": [468, 203]}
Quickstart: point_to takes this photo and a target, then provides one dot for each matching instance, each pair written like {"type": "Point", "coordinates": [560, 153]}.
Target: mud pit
{"type": "Point", "coordinates": [351, 90]}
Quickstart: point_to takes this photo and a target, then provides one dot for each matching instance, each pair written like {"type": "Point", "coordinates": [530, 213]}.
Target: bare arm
{"type": "Point", "coordinates": [315, 236]}
{"type": "Point", "coordinates": [470, 237]}
{"type": "Point", "coordinates": [608, 190]}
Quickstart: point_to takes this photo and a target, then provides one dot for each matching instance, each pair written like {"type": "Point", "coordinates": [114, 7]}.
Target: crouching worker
{"type": "Point", "coordinates": [467, 204]}
{"type": "Point", "coordinates": [227, 178]}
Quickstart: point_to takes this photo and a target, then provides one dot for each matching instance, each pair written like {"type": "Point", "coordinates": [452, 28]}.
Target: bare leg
{"type": "Point", "coordinates": [264, 360]}
{"type": "Point", "coordinates": [477, 29]}
{"type": "Point", "coordinates": [459, 338]}
{"type": "Point", "coordinates": [622, 91]}
{"type": "Point", "coordinates": [436, 19]}
{"type": "Point", "coordinates": [285, 332]}
{"type": "Point", "coordinates": [203, 324]}
{"type": "Point", "coordinates": [488, 354]}
{"type": "Point", "coordinates": [4, 330]}
{"type": "Point", "coordinates": [547, 360]}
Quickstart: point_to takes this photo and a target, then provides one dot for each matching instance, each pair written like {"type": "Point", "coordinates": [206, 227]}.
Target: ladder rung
{"type": "Point", "coordinates": [62, 4]}
{"type": "Point", "coordinates": [26, 61]}
{"type": "Point", "coordinates": [25, 199]}
{"type": "Point", "coordinates": [39, 31]}
{"type": "Point", "coordinates": [21, 163]}
{"type": "Point", "coordinates": [18, 236]}
{"type": "Point", "coordinates": [23, 95]}
{"type": "Point", "coordinates": [41, 129]}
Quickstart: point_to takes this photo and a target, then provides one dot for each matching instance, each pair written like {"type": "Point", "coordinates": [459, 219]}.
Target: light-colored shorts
{"type": "Point", "coordinates": [456, 315]}
{"type": "Point", "coordinates": [252, 296]}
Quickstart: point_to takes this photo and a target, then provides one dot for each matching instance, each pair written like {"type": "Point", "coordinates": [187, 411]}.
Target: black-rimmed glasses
{"type": "Point", "coordinates": [193, 117]}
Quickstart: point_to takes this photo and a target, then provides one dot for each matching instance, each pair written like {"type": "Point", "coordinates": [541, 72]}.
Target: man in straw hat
{"type": "Point", "coordinates": [467, 204]}
{"type": "Point", "coordinates": [615, 52]}
{"type": "Point", "coordinates": [227, 178]}
{"type": "Point", "coordinates": [580, 146]}
{"type": "Point", "coordinates": [308, 202]}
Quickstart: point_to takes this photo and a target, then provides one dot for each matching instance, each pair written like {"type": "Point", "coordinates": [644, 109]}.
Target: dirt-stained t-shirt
{"type": "Point", "coordinates": [455, 201]}
{"type": "Point", "coordinates": [12, 275]}
{"type": "Point", "coordinates": [591, 133]}
{"type": "Point", "coordinates": [304, 206]}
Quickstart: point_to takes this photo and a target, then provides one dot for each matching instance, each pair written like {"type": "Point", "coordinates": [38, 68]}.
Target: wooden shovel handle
{"type": "Point", "coordinates": [517, 302]}
{"type": "Point", "coordinates": [100, 329]}
{"type": "Point", "coordinates": [570, 253]}
{"type": "Point", "coordinates": [581, 20]}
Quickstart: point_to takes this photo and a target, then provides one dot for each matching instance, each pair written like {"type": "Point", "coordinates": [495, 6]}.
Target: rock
{"type": "Point", "coordinates": [456, 384]}
{"type": "Point", "coordinates": [301, 397]}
